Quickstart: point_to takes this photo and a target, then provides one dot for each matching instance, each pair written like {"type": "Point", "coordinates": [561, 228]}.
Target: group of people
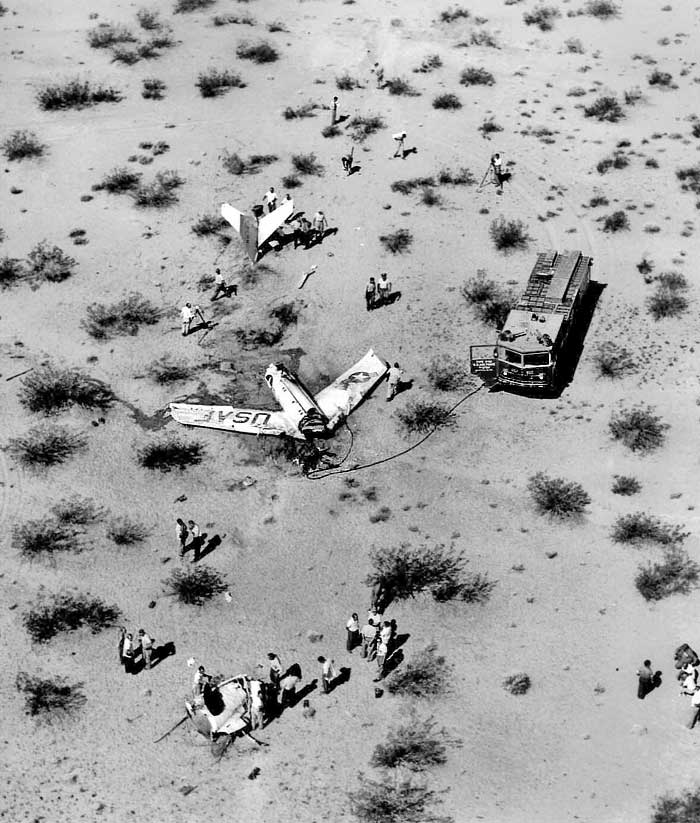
{"type": "Point", "coordinates": [377, 292]}
{"type": "Point", "coordinates": [284, 682]}
{"type": "Point", "coordinates": [308, 232]}
{"type": "Point", "coordinates": [376, 639]}
{"type": "Point", "coordinates": [135, 654]}
{"type": "Point", "coordinates": [189, 537]}
{"type": "Point", "coordinates": [687, 663]}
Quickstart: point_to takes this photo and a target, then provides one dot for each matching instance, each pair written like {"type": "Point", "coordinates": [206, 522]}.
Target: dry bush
{"type": "Point", "coordinates": [47, 698]}
{"type": "Point", "coordinates": [208, 224]}
{"type": "Point", "coordinates": [118, 181]}
{"type": "Point", "coordinates": [617, 221]}
{"type": "Point", "coordinates": [457, 13]}
{"type": "Point", "coordinates": [509, 235]}
{"type": "Point", "coordinates": [331, 131]}
{"type": "Point", "coordinates": [362, 126]}
{"type": "Point", "coordinates": [668, 300]}
{"type": "Point", "coordinates": [429, 197]}
{"type": "Point", "coordinates": [195, 586]}
{"type": "Point", "coordinates": [602, 9]}
{"type": "Point", "coordinates": [127, 56]}
{"type": "Point", "coordinates": [490, 302]}
{"type": "Point", "coordinates": [301, 112]}
{"type": "Point", "coordinates": [400, 801]}
{"type": "Point", "coordinates": [307, 164]}
{"type": "Point", "coordinates": [75, 94]}
{"type": "Point", "coordinates": [613, 361]}
{"type": "Point", "coordinates": [660, 78]}
{"type": "Point", "coordinates": [462, 177]}
{"type": "Point", "coordinates": [605, 108]}
{"type": "Point", "coordinates": [475, 587]}
{"type": "Point", "coordinates": [12, 271]}
{"type": "Point", "coordinates": [77, 511]}
{"type": "Point", "coordinates": [46, 445]}
{"type": "Point", "coordinates": [625, 486]}
{"type": "Point", "coordinates": [489, 126]}
{"type": "Point", "coordinates": [426, 675]}
{"type": "Point", "coordinates": [399, 87]}
{"type": "Point", "coordinates": [517, 683]}
{"type": "Point", "coordinates": [55, 613]}
{"type": "Point", "coordinates": [124, 317]}
{"type": "Point", "coordinates": [559, 498]}
{"type": "Point", "coordinates": [160, 192]}
{"type": "Point", "coordinates": [46, 537]}
{"type": "Point", "coordinates": [447, 101]}
{"type": "Point", "coordinates": [397, 242]}
{"type": "Point", "coordinates": [429, 63]}
{"type": "Point", "coordinates": [574, 46]}
{"type": "Point", "coordinates": [683, 807]}
{"type": "Point", "coordinates": [184, 6]}
{"type": "Point", "coordinates": [449, 373]}
{"type": "Point", "coordinates": [22, 145]}
{"type": "Point", "coordinates": [148, 19]}
{"type": "Point", "coordinates": [47, 262]}
{"type": "Point", "coordinates": [49, 389]}
{"type": "Point", "coordinates": [123, 531]}
{"type": "Point", "coordinates": [638, 428]}
{"type": "Point", "coordinates": [476, 76]}
{"type": "Point", "coordinates": [675, 574]}
{"type": "Point", "coordinates": [153, 89]}
{"type": "Point", "coordinates": [415, 745]}
{"type": "Point", "coordinates": [214, 82]}
{"type": "Point", "coordinates": [107, 35]}
{"type": "Point", "coordinates": [617, 161]}
{"type": "Point", "coordinates": [170, 453]}
{"type": "Point", "coordinates": [690, 178]}
{"type": "Point", "coordinates": [481, 37]}
{"type": "Point", "coordinates": [227, 19]}
{"type": "Point", "coordinates": [407, 186]}
{"type": "Point", "coordinates": [262, 52]}
{"type": "Point", "coordinates": [542, 16]}
{"type": "Point", "coordinates": [423, 416]}
{"type": "Point", "coordinates": [165, 370]}
{"type": "Point", "coordinates": [641, 527]}
{"type": "Point", "coordinates": [235, 164]}
{"type": "Point", "coordinates": [598, 200]}
{"type": "Point", "coordinates": [346, 82]}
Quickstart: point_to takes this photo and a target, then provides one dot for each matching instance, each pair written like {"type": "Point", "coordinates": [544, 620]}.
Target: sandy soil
{"type": "Point", "coordinates": [294, 552]}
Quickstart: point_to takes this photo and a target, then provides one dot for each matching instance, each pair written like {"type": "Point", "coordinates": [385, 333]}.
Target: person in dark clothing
{"type": "Point", "coordinates": [646, 680]}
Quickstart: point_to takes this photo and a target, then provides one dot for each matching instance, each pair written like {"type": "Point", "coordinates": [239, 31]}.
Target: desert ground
{"type": "Point", "coordinates": [295, 551]}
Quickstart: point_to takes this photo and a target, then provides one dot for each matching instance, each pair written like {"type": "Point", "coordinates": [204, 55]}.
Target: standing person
{"type": "Point", "coordinates": [334, 111]}
{"type": "Point", "coordinates": [270, 198]}
{"type": "Point", "coordinates": [400, 138]}
{"type": "Point", "coordinates": [646, 680]}
{"type": "Point", "coordinates": [386, 634]}
{"type": "Point", "coordinates": [695, 703]}
{"type": "Point", "coordinates": [369, 635]}
{"type": "Point", "coordinates": [288, 685]}
{"type": "Point", "coordinates": [181, 531]}
{"type": "Point", "coordinates": [689, 679]}
{"type": "Point", "coordinates": [320, 224]}
{"type": "Point", "coordinates": [221, 286]}
{"type": "Point", "coordinates": [382, 651]}
{"type": "Point", "coordinates": [353, 632]}
{"type": "Point", "coordinates": [275, 670]}
{"type": "Point", "coordinates": [120, 646]}
{"type": "Point", "coordinates": [304, 233]}
{"type": "Point", "coordinates": [378, 72]}
{"type": "Point", "coordinates": [347, 159]}
{"type": "Point", "coordinates": [497, 169]}
{"type": "Point", "coordinates": [128, 653]}
{"type": "Point", "coordinates": [370, 294]}
{"type": "Point", "coordinates": [198, 682]}
{"type": "Point", "coordinates": [146, 648]}
{"type": "Point", "coordinates": [393, 381]}
{"type": "Point", "coordinates": [328, 673]}
{"type": "Point", "coordinates": [195, 534]}
{"type": "Point", "coordinates": [383, 289]}
{"type": "Point", "coordinates": [187, 315]}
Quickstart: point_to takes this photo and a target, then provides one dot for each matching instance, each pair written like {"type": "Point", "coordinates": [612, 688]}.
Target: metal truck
{"type": "Point", "coordinates": [531, 346]}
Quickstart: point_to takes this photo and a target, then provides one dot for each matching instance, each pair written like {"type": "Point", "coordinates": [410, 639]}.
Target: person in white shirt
{"type": "Point", "coordinates": [270, 199]}
{"type": "Point", "coordinates": [188, 313]}
{"type": "Point", "coordinates": [198, 681]}
{"type": "Point", "coordinates": [394, 377]}
{"type": "Point", "coordinates": [275, 670]}
{"type": "Point", "coordinates": [383, 289]}
{"type": "Point", "coordinates": [328, 673]}
{"type": "Point", "coordinates": [195, 539]}
{"type": "Point", "coordinates": [353, 630]}
{"type": "Point", "coordinates": [400, 138]}
{"type": "Point", "coordinates": [146, 648]}
{"type": "Point", "coordinates": [497, 168]}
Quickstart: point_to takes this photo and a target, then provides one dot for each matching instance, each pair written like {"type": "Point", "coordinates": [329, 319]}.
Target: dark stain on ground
{"type": "Point", "coordinates": [152, 422]}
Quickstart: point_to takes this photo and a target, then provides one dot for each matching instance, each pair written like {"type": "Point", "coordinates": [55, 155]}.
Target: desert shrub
{"type": "Point", "coordinates": [77, 511]}
{"type": "Point", "coordinates": [118, 181]}
{"type": "Point", "coordinates": [347, 82]}
{"type": "Point", "coordinates": [56, 613]}
{"type": "Point", "coordinates": [382, 801]}
{"type": "Point", "coordinates": [50, 388]}
{"type": "Point", "coordinates": [330, 131]}
{"type": "Point", "coordinates": [602, 9]}
{"type": "Point", "coordinates": [617, 221]}
{"type": "Point", "coordinates": [254, 338]}
{"type": "Point", "coordinates": [286, 314]}
{"type": "Point", "coordinates": [474, 587]}
{"type": "Point", "coordinates": [121, 54]}
{"type": "Point", "coordinates": [422, 416]}
{"type": "Point", "coordinates": [124, 317]}
{"type": "Point", "coordinates": [75, 94]}
{"type": "Point", "coordinates": [517, 683]}
{"type": "Point", "coordinates": [165, 370]}
{"type": "Point", "coordinates": [415, 745]}
{"type": "Point", "coordinates": [400, 87]}
{"type": "Point", "coordinates": [605, 108]}
{"type": "Point", "coordinates": [617, 161]}
{"type": "Point", "coordinates": [638, 428]}
{"type": "Point", "coordinates": [490, 302]}
{"type": "Point", "coordinates": [153, 89]}
{"type": "Point", "coordinates": [160, 192]}
{"type": "Point", "coordinates": [476, 76]}
{"type": "Point", "coordinates": [613, 360]}
{"type": "Point", "coordinates": [448, 373]}
{"type": "Point", "coordinates": [429, 63]}
{"type": "Point", "coordinates": [632, 96]}
{"type": "Point", "coordinates": [660, 78]}
{"type": "Point", "coordinates": [46, 697]}
{"type": "Point", "coordinates": [427, 674]}
{"type": "Point", "coordinates": [508, 235]}
{"type": "Point", "coordinates": [234, 164]}
{"type": "Point", "coordinates": [195, 586]}
{"type": "Point", "coordinates": [598, 200]}
{"type": "Point", "coordinates": [397, 242]}
{"type": "Point", "coordinates": [106, 35]}
{"type": "Point", "coordinates": [125, 532]}
{"type": "Point", "coordinates": [148, 19]}
{"type": "Point", "coordinates": [300, 112]}
{"type": "Point", "coordinates": [481, 37]}
{"type": "Point", "coordinates": [170, 453]}
{"type": "Point", "coordinates": [183, 6]}
{"type": "Point", "coordinates": [542, 16]}
{"type": "Point", "coordinates": [447, 101]}
{"type": "Point", "coordinates": [362, 126]}
{"type": "Point", "coordinates": [46, 445]}
{"type": "Point", "coordinates": [690, 178]}
{"type": "Point", "coordinates": [574, 45]}
{"type": "Point", "coordinates": [429, 197]}
{"type": "Point", "coordinates": [46, 537]}
{"type": "Point", "coordinates": [226, 19]}
{"type": "Point", "coordinates": [208, 224]}
{"type": "Point", "coordinates": [640, 527]}
{"type": "Point", "coordinates": [50, 263]}
{"type": "Point", "coordinates": [675, 574]}
{"type": "Point", "coordinates": [462, 177]}
{"type": "Point", "coordinates": [625, 486]}
{"type": "Point", "coordinates": [668, 299]}
{"type": "Point", "coordinates": [457, 13]}
{"type": "Point", "coordinates": [681, 808]}
{"type": "Point", "coordinates": [276, 25]}
{"type": "Point", "coordinates": [407, 186]}
{"type": "Point", "coordinates": [489, 126]}
{"type": "Point", "coordinates": [307, 164]}
{"type": "Point", "coordinates": [261, 52]}
{"type": "Point", "coordinates": [695, 130]}
{"type": "Point", "coordinates": [214, 82]}
{"type": "Point", "coordinates": [557, 497]}
{"type": "Point", "coordinates": [11, 272]}
{"type": "Point", "coordinates": [22, 145]}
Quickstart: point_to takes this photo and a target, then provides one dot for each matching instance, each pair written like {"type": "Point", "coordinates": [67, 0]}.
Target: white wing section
{"type": "Point", "coordinates": [269, 224]}
{"type": "Point", "coordinates": [246, 421]}
{"type": "Point", "coordinates": [344, 394]}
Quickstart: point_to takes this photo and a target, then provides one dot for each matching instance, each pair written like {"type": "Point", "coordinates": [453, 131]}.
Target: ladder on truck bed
{"type": "Point", "coordinates": [554, 282]}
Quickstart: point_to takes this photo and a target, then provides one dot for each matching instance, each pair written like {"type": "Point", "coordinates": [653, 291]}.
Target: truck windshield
{"type": "Point", "coordinates": [540, 358]}
{"type": "Point", "coordinates": [510, 356]}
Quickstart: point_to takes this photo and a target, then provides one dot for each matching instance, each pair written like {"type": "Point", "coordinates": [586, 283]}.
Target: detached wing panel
{"type": "Point", "coordinates": [344, 394]}
{"type": "Point", "coordinates": [227, 418]}
{"type": "Point", "coordinates": [269, 224]}
{"type": "Point", "coordinates": [245, 225]}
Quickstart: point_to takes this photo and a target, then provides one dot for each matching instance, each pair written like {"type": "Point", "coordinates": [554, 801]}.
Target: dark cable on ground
{"type": "Point", "coordinates": [320, 474]}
